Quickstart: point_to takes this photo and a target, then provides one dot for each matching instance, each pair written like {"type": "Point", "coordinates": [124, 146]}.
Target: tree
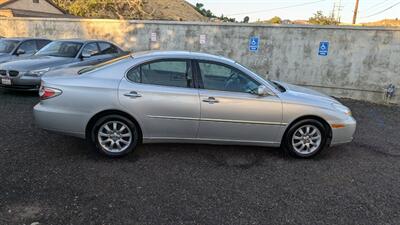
{"type": "Point", "coordinates": [320, 19]}
{"type": "Point", "coordinates": [275, 20]}
{"type": "Point", "coordinates": [207, 13]}
{"type": "Point", "coordinates": [246, 19]}
{"type": "Point", "coordinates": [199, 5]}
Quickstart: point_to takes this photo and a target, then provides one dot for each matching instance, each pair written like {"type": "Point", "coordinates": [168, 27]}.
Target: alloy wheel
{"type": "Point", "coordinates": [114, 136]}
{"type": "Point", "coordinates": [306, 139]}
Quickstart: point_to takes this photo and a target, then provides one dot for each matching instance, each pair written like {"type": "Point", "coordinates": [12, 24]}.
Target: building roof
{"type": "Point", "coordinates": [28, 13]}
{"type": "Point", "coordinates": [4, 3]}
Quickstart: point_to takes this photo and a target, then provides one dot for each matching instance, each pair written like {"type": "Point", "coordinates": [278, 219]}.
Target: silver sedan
{"type": "Point", "coordinates": [186, 97]}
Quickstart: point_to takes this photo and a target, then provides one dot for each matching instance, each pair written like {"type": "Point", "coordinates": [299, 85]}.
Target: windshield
{"type": "Point", "coordinates": [6, 46]}
{"type": "Point", "coordinates": [61, 49]}
{"type": "Point", "coordinates": [103, 64]}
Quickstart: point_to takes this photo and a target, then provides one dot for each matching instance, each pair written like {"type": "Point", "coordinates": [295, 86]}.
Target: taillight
{"type": "Point", "coordinates": [47, 92]}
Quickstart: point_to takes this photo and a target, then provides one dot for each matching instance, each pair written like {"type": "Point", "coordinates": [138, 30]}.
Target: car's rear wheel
{"type": "Point", "coordinates": [305, 138]}
{"type": "Point", "coordinates": [114, 135]}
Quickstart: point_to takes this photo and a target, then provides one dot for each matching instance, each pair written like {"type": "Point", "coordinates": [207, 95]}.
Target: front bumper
{"type": "Point", "coordinates": [344, 134]}
{"type": "Point", "coordinates": [28, 83]}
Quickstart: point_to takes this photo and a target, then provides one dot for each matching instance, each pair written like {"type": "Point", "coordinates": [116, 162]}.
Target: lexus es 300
{"type": "Point", "coordinates": [186, 97]}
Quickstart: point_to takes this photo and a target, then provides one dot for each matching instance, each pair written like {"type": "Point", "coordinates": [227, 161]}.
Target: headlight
{"type": "Point", "coordinates": [39, 73]}
{"type": "Point", "coordinates": [342, 108]}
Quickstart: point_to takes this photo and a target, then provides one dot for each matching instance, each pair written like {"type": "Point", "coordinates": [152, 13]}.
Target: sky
{"type": "Point", "coordinates": [302, 9]}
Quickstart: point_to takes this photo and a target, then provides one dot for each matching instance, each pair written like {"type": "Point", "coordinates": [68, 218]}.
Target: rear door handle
{"type": "Point", "coordinates": [211, 100]}
{"type": "Point", "coordinates": [133, 94]}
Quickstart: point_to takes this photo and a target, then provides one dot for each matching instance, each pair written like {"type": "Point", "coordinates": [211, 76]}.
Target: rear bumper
{"type": "Point", "coordinates": [345, 134]}
{"type": "Point", "coordinates": [60, 121]}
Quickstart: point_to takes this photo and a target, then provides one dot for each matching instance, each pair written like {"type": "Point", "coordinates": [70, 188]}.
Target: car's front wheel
{"type": "Point", "coordinates": [305, 138]}
{"type": "Point", "coordinates": [114, 135]}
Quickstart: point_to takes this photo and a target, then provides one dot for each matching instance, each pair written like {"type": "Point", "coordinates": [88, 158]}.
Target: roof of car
{"type": "Point", "coordinates": [82, 40]}
{"type": "Point", "coordinates": [24, 38]}
{"type": "Point", "coordinates": [180, 54]}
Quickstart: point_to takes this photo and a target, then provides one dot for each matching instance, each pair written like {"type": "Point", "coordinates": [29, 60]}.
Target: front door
{"type": "Point", "coordinates": [161, 95]}
{"type": "Point", "coordinates": [230, 111]}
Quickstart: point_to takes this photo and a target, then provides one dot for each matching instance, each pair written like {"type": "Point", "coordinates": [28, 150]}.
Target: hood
{"type": "Point", "coordinates": [4, 57]}
{"type": "Point", "coordinates": [36, 63]}
{"type": "Point", "coordinates": [306, 94]}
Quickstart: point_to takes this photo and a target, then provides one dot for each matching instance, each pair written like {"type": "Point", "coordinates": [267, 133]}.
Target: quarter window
{"type": "Point", "coordinates": [41, 43]}
{"type": "Point", "coordinates": [225, 78]}
{"type": "Point", "coordinates": [175, 73]}
{"type": "Point", "coordinates": [107, 48]}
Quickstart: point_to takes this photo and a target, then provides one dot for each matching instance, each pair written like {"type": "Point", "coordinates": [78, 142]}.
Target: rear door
{"type": "Point", "coordinates": [162, 96]}
{"type": "Point", "coordinates": [231, 112]}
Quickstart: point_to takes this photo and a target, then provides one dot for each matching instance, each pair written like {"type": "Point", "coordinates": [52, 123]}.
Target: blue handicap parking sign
{"type": "Point", "coordinates": [254, 44]}
{"type": "Point", "coordinates": [323, 48]}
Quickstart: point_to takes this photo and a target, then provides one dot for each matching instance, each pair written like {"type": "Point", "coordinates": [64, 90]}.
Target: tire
{"type": "Point", "coordinates": [314, 141]}
{"type": "Point", "coordinates": [115, 141]}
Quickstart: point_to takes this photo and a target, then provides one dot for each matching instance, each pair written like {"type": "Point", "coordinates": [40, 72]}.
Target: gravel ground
{"type": "Point", "coordinates": [52, 179]}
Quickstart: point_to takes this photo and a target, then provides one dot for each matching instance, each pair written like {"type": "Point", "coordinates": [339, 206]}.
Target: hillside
{"type": "Point", "coordinates": [132, 9]}
{"type": "Point", "coordinates": [384, 23]}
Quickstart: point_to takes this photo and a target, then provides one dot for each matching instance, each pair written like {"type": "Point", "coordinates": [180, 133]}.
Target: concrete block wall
{"type": "Point", "coordinates": [360, 64]}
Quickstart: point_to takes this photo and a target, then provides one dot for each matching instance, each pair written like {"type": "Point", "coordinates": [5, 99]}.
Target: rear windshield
{"type": "Point", "coordinates": [103, 64]}
{"type": "Point", "coordinates": [6, 46]}
{"type": "Point", "coordinates": [61, 49]}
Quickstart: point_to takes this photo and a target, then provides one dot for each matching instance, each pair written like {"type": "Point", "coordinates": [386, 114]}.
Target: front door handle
{"type": "Point", "coordinates": [211, 100]}
{"type": "Point", "coordinates": [133, 94]}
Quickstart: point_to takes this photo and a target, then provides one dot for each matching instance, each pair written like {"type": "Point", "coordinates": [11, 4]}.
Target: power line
{"type": "Point", "coordinates": [398, 3]}
{"type": "Point", "coordinates": [375, 5]}
{"type": "Point", "coordinates": [268, 10]}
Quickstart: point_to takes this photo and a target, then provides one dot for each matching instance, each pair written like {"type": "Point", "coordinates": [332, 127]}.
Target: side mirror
{"type": "Point", "coordinates": [262, 90]}
{"type": "Point", "coordinates": [86, 55]}
{"type": "Point", "coordinates": [20, 52]}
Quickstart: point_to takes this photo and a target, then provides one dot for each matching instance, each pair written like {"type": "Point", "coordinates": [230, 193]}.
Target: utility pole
{"type": "Point", "coordinates": [336, 11]}
{"type": "Point", "coordinates": [355, 12]}
{"type": "Point", "coordinates": [333, 10]}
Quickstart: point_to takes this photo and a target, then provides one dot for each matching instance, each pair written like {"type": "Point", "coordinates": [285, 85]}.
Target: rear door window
{"type": "Point", "coordinates": [174, 73]}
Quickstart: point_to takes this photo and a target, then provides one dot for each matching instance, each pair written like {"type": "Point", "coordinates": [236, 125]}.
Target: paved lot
{"type": "Point", "coordinates": [52, 179]}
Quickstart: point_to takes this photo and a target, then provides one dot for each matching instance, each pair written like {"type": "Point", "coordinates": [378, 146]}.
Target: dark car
{"type": "Point", "coordinates": [19, 48]}
{"type": "Point", "coordinates": [26, 74]}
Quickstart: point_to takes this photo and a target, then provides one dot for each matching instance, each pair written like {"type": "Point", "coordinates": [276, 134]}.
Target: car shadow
{"type": "Point", "coordinates": [235, 156]}
{"type": "Point", "coordinates": [228, 156]}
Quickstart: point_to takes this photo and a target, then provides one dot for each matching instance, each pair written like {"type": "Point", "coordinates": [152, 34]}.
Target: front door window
{"type": "Point", "coordinates": [225, 78]}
